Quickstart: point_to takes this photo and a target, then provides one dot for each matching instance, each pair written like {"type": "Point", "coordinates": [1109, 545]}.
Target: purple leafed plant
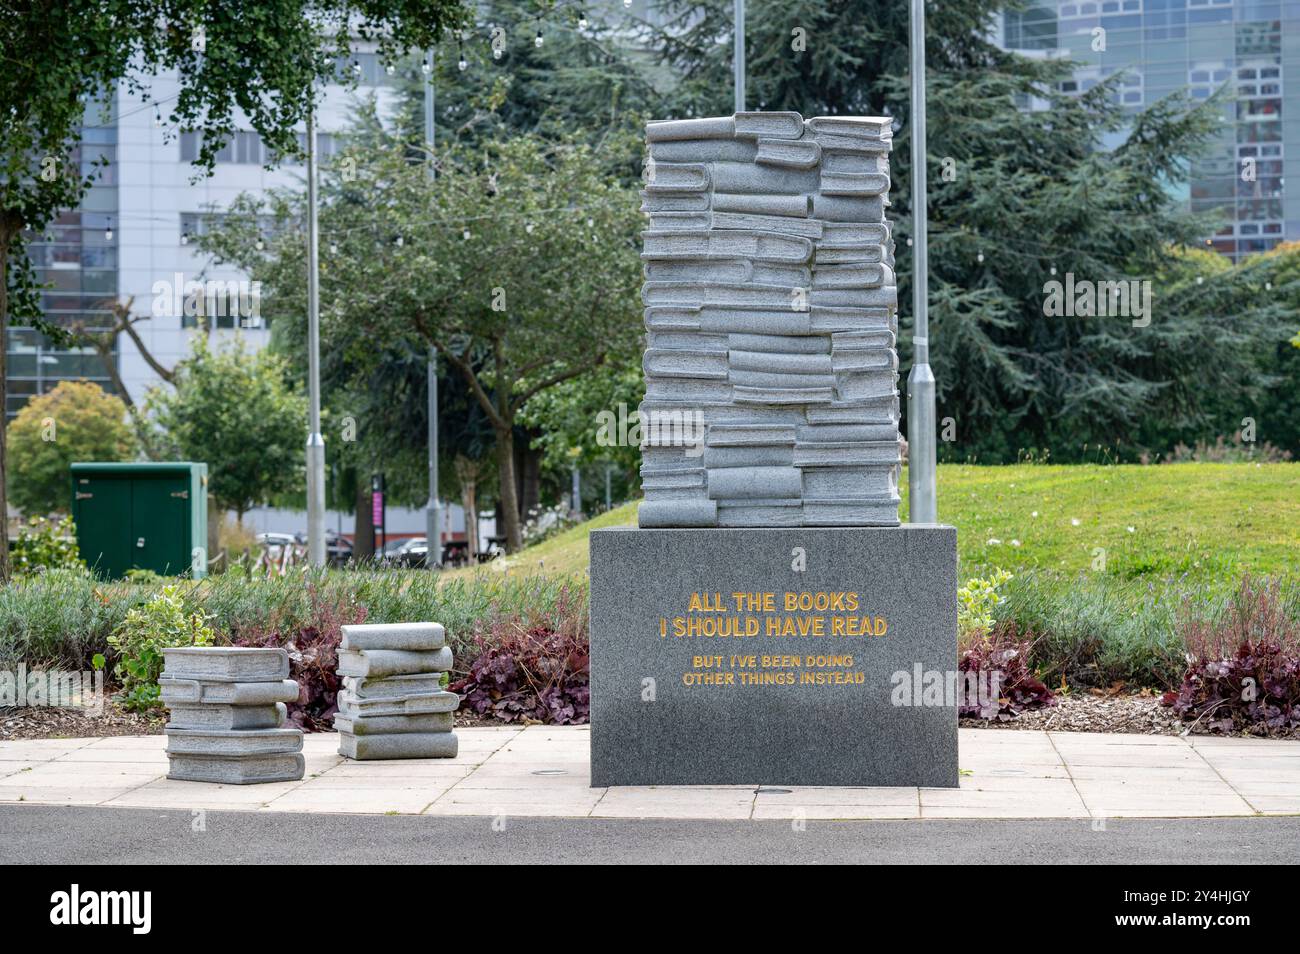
{"type": "Point", "coordinates": [531, 670]}
{"type": "Point", "coordinates": [1005, 652]}
{"type": "Point", "coordinates": [1243, 668]}
{"type": "Point", "coordinates": [313, 647]}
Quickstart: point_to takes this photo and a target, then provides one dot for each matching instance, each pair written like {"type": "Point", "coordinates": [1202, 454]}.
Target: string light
{"type": "Point", "coordinates": [582, 19]}
{"type": "Point", "coordinates": [260, 244]}
{"type": "Point", "coordinates": [356, 67]}
{"type": "Point", "coordinates": [979, 257]}
{"type": "Point", "coordinates": [465, 235]}
{"type": "Point", "coordinates": [108, 232]}
{"type": "Point", "coordinates": [538, 41]}
{"type": "Point", "coordinates": [334, 249]}
{"type": "Point", "coordinates": [389, 68]}
{"type": "Point", "coordinates": [1052, 270]}
{"type": "Point", "coordinates": [157, 116]}
{"type": "Point", "coordinates": [627, 4]}
{"type": "Point", "coordinates": [185, 238]}
{"type": "Point", "coordinates": [425, 68]}
{"type": "Point", "coordinates": [398, 241]}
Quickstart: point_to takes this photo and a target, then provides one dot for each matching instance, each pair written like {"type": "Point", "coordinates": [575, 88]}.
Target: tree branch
{"type": "Point", "coordinates": [467, 372]}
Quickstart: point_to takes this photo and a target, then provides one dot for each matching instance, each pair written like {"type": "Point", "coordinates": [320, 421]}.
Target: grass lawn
{"type": "Point", "coordinates": [1201, 522]}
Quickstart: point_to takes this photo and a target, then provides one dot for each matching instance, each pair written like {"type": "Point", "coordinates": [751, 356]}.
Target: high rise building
{"type": "Point", "coordinates": [1241, 49]}
{"type": "Point", "coordinates": [131, 240]}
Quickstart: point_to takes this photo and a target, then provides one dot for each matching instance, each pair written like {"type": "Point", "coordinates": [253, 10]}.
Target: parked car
{"type": "Point", "coordinates": [274, 539]}
{"type": "Point", "coordinates": [409, 552]}
{"type": "Point", "coordinates": [338, 549]}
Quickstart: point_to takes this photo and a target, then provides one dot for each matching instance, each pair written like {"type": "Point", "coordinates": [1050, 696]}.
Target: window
{"type": "Point", "coordinates": [244, 147]}
{"type": "Point", "coordinates": [366, 69]}
{"type": "Point", "coordinates": [194, 224]}
{"type": "Point", "coordinates": [1032, 29]}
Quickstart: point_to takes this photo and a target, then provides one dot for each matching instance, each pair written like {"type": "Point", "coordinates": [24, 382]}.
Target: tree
{"type": "Point", "coordinates": [234, 411]}
{"type": "Point", "coordinates": [519, 263]}
{"type": "Point", "coordinates": [591, 419]}
{"type": "Point", "coordinates": [75, 421]}
{"type": "Point", "coordinates": [585, 80]}
{"type": "Point", "coordinates": [262, 59]}
{"type": "Point", "coordinates": [1018, 198]}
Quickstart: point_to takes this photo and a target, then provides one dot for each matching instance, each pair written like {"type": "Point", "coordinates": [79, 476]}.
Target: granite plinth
{"type": "Point", "coordinates": [703, 674]}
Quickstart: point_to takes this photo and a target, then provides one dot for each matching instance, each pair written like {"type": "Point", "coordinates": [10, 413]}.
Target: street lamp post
{"type": "Point", "coordinates": [315, 440]}
{"type": "Point", "coordinates": [738, 57]}
{"type": "Point", "coordinates": [922, 497]}
{"type": "Point", "coordinates": [433, 512]}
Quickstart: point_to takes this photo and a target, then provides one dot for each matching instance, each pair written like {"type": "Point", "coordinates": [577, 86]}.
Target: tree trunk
{"type": "Point", "coordinates": [467, 477]}
{"type": "Point", "coordinates": [530, 480]}
{"type": "Point", "coordinates": [6, 237]}
{"type": "Point", "coordinates": [363, 536]}
{"type": "Point", "coordinates": [215, 516]}
{"type": "Point", "coordinates": [469, 503]}
{"type": "Point", "coordinates": [512, 531]}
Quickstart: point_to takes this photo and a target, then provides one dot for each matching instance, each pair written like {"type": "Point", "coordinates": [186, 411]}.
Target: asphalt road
{"type": "Point", "coordinates": [38, 834]}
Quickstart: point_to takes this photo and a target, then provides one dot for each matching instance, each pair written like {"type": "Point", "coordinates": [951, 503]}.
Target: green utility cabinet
{"type": "Point", "coordinates": [151, 516]}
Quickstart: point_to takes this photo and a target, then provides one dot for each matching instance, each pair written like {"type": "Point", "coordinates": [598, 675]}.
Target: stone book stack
{"type": "Point", "coordinates": [770, 306]}
{"type": "Point", "coordinates": [392, 705]}
{"type": "Point", "coordinates": [227, 713]}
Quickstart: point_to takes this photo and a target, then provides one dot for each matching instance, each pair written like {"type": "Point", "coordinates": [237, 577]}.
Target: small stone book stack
{"type": "Point", "coordinates": [392, 705]}
{"type": "Point", "coordinates": [227, 715]}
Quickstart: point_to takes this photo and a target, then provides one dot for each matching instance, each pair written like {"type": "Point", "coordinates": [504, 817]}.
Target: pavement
{"type": "Point", "coordinates": [506, 773]}
{"type": "Point", "coordinates": [47, 834]}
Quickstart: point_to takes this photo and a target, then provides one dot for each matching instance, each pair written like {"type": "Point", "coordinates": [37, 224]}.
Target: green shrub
{"type": "Point", "coordinates": [139, 641]}
{"type": "Point", "coordinates": [238, 605]}
{"type": "Point", "coordinates": [1096, 630]}
{"type": "Point", "coordinates": [60, 618]}
{"type": "Point", "coordinates": [46, 545]}
{"type": "Point", "coordinates": [976, 603]}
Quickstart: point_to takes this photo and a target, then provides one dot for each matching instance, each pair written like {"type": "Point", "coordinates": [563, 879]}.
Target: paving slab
{"type": "Point", "coordinates": [176, 793]}
{"type": "Point", "coordinates": [635, 801]}
{"type": "Point", "coordinates": [545, 771]}
{"type": "Point", "coordinates": [371, 799]}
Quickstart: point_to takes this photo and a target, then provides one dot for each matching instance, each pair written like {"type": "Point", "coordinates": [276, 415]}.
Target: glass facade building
{"type": "Point", "coordinates": [77, 257]}
{"type": "Point", "coordinates": [1245, 50]}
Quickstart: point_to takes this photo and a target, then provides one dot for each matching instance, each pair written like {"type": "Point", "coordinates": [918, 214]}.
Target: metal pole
{"type": "Point", "coordinates": [577, 492]}
{"type": "Point", "coordinates": [738, 57]}
{"type": "Point", "coordinates": [315, 440]}
{"type": "Point", "coordinates": [433, 512]}
{"type": "Point", "coordinates": [922, 494]}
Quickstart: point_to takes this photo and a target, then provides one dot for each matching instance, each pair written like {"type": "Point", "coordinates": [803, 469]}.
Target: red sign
{"type": "Point", "coordinates": [377, 508]}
